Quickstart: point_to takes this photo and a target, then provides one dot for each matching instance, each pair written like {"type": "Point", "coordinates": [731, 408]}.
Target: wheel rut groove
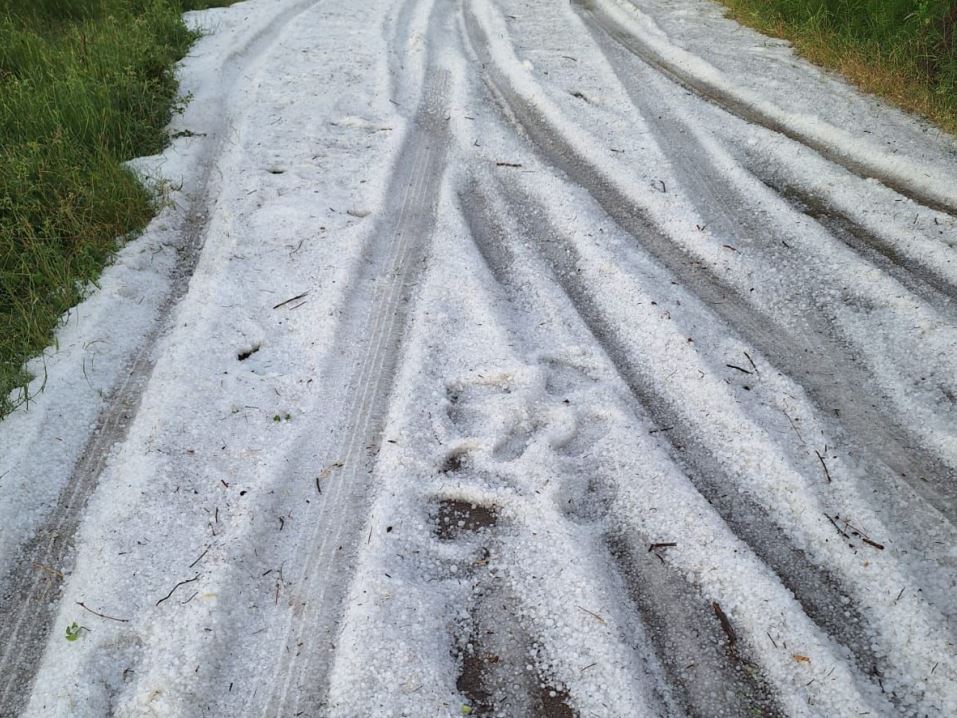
{"type": "Point", "coordinates": [594, 12]}
{"type": "Point", "coordinates": [299, 682]}
{"type": "Point", "coordinates": [668, 607]}
{"type": "Point", "coordinates": [835, 381]}
{"type": "Point", "coordinates": [731, 210]}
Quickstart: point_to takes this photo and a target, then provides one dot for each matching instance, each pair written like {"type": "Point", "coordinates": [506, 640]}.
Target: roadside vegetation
{"type": "Point", "coordinates": [903, 50]}
{"type": "Point", "coordinates": [84, 86]}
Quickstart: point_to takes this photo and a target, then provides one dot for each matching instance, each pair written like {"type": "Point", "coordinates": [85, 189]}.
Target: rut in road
{"type": "Point", "coordinates": [858, 162]}
{"type": "Point", "coordinates": [732, 209]}
{"type": "Point", "coordinates": [820, 361]}
{"type": "Point", "coordinates": [401, 240]}
{"type": "Point", "coordinates": [821, 595]}
{"type": "Point", "coordinates": [703, 671]}
{"type": "Point", "coordinates": [29, 593]}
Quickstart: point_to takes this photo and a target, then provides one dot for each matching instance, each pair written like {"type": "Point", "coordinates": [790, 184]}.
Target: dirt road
{"type": "Point", "coordinates": [501, 358]}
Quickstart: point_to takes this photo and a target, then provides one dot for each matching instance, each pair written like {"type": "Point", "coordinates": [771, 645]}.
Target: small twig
{"type": "Point", "coordinates": [173, 590]}
{"type": "Point", "coordinates": [200, 557]}
{"type": "Point", "coordinates": [666, 544]}
{"type": "Point", "coordinates": [834, 524]}
{"type": "Point", "coordinates": [740, 369]}
{"type": "Point", "coordinates": [101, 615]}
{"type": "Point", "coordinates": [821, 459]}
{"type": "Point", "coordinates": [326, 471]}
{"type": "Point", "coordinates": [725, 623]}
{"type": "Point", "coordinates": [591, 613]}
{"type": "Point", "coordinates": [291, 299]}
{"type": "Point", "coordinates": [751, 362]}
{"type": "Point", "coordinates": [771, 639]}
{"type": "Point", "coordinates": [507, 164]}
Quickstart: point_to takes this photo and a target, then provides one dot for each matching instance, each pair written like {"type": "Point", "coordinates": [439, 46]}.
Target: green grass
{"type": "Point", "coordinates": [903, 50]}
{"type": "Point", "coordinates": [84, 86]}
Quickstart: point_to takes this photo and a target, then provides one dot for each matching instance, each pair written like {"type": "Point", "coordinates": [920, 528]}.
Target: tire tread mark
{"type": "Point", "coordinates": [726, 100]}
{"type": "Point", "coordinates": [302, 670]}
{"type": "Point", "coordinates": [892, 444]}
{"type": "Point", "coordinates": [822, 597]}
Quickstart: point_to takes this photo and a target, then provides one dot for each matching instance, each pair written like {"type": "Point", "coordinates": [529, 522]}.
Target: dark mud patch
{"type": "Point", "coordinates": [456, 518]}
{"type": "Point", "coordinates": [555, 703]}
{"type": "Point", "coordinates": [495, 678]}
{"type": "Point", "coordinates": [455, 461]}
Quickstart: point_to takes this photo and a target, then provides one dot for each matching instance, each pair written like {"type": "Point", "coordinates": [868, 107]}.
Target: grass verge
{"type": "Point", "coordinates": [84, 86]}
{"type": "Point", "coordinates": [902, 50]}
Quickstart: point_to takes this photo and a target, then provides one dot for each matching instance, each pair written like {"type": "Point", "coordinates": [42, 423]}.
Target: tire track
{"type": "Point", "coordinates": [686, 640]}
{"type": "Point", "coordinates": [31, 591]}
{"type": "Point", "coordinates": [822, 594]}
{"type": "Point", "coordinates": [594, 12]}
{"type": "Point", "coordinates": [494, 650]}
{"type": "Point", "coordinates": [827, 370]}
{"type": "Point", "coordinates": [299, 681]}
{"type": "Point", "coordinates": [713, 197]}
{"type": "Point", "coordinates": [705, 667]}
{"type": "Point", "coordinates": [932, 288]}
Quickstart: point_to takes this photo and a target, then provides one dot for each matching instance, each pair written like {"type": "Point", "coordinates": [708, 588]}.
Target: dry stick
{"type": "Point", "coordinates": [47, 569]}
{"type": "Point", "coordinates": [821, 459]}
{"type": "Point", "coordinates": [751, 362]}
{"type": "Point", "coordinates": [863, 536]}
{"type": "Point", "coordinates": [200, 558]}
{"type": "Point", "coordinates": [879, 547]}
{"type": "Point", "coordinates": [834, 524]}
{"type": "Point", "coordinates": [725, 623]}
{"type": "Point", "coordinates": [291, 299]}
{"type": "Point", "coordinates": [740, 369]}
{"type": "Point", "coordinates": [101, 615]}
{"type": "Point", "coordinates": [668, 544]}
{"type": "Point", "coordinates": [794, 426]}
{"type": "Point", "coordinates": [181, 583]}
{"type": "Point", "coordinates": [591, 613]}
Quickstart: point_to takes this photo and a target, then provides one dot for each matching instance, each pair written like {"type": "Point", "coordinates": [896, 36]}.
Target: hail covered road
{"type": "Point", "coordinates": [501, 358]}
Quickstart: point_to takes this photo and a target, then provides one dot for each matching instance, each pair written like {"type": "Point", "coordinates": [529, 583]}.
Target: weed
{"type": "Point", "coordinates": [74, 631]}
